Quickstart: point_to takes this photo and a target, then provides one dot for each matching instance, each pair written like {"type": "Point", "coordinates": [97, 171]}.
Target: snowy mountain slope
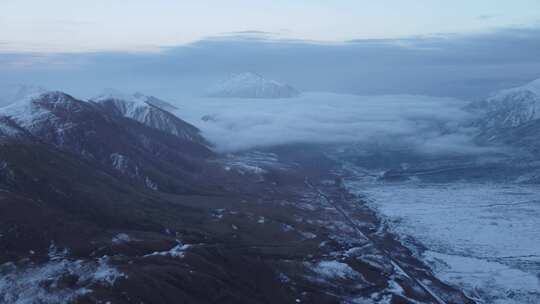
{"type": "Point", "coordinates": [132, 149]}
{"type": "Point", "coordinates": [252, 85]}
{"type": "Point", "coordinates": [152, 100]}
{"type": "Point", "coordinates": [9, 129]}
{"type": "Point", "coordinates": [148, 110]}
{"type": "Point", "coordinates": [513, 107]}
{"type": "Point", "coordinates": [36, 111]}
{"type": "Point", "coordinates": [12, 93]}
{"type": "Point", "coordinates": [512, 117]}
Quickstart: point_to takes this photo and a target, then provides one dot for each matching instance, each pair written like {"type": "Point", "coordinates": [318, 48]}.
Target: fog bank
{"type": "Point", "coordinates": [419, 123]}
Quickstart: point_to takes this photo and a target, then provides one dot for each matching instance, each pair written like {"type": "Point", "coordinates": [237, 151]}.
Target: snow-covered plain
{"type": "Point", "coordinates": [484, 238]}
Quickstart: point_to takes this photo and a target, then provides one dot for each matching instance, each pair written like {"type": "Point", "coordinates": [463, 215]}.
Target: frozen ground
{"type": "Point", "coordinates": [484, 238]}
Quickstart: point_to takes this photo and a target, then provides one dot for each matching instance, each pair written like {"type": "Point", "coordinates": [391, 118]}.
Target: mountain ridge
{"type": "Point", "coordinates": [251, 85]}
{"type": "Point", "coordinates": [147, 110]}
{"type": "Point", "coordinates": [150, 156]}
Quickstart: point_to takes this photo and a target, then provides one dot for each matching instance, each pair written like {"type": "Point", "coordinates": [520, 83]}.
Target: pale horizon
{"type": "Point", "coordinates": [62, 26]}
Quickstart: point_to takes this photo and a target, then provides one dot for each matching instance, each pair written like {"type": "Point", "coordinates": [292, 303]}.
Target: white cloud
{"type": "Point", "coordinates": [421, 123]}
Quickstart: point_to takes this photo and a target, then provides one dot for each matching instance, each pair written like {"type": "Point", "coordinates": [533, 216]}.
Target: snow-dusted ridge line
{"type": "Point", "coordinates": [533, 86]}
{"type": "Point", "coordinates": [148, 110]}
{"type": "Point", "coordinates": [12, 93]}
{"type": "Point", "coordinates": [251, 85]}
{"type": "Point", "coordinates": [512, 107]}
{"type": "Point", "coordinates": [133, 101]}
{"type": "Point", "coordinates": [38, 109]}
{"type": "Point", "coordinates": [34, 109]}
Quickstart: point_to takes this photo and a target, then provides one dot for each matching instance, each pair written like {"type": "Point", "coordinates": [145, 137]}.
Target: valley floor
{"type": "Point", "coordinates": [483, 238]}
{"type": "Point", "coordinates": [287, 233]}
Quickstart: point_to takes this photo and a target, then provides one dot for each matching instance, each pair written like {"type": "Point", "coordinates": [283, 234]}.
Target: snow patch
{"type": "Point", "coordinates": [150, 184]}
{"type": "Point", "coordinates": [334, 270]}
{"type": "Point", "coordinates": [121, 238]}
{"type": "Point", "coordinates": [177, 251]}
{"type": "Point", "coordinates": [60, 280]}
{"type": "Point", "coordinates": [119, 162]}
{"type": "Point", "coordinates": [308, 235]}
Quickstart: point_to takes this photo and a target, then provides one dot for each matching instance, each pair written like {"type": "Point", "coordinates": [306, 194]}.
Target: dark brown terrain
{"type": "Point", "coordinates": [257, 227]}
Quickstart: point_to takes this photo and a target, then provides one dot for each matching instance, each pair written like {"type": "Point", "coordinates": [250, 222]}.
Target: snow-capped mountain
{"type": "Point", "coordinates": [252, 85]}
{"type": "Point", "coordinates": [13, 93]}
{"type": "Point", "coordinates": [38, 113]}
{"type": "Point", "coordinates": [91, 131]}
{"type": "Point", "coordinates": [512, 108]}
{"type": "Point", "coordinates": [150, 111]}
{"type": "Point", "coordinates": [512, 117]}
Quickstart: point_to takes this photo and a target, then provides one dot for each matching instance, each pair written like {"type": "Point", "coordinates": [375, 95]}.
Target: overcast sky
{"type": "Point", "coordinates": [461, 48]}
{"type": "Point", "coordinates": [142, 25]}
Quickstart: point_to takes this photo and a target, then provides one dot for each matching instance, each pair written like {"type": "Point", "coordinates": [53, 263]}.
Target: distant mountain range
{"type": "Point", "coordinates": [252, 85]}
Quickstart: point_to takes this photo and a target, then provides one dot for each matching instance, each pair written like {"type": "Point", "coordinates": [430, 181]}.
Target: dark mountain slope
{"type": "Point", "coordinates": [153, 158]}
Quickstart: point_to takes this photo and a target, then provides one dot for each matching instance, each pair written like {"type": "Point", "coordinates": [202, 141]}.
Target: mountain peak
{"type": "Point", "coordinates": [512, 108]}
{"type": "Point", "coordinates": [53, 96]}
{"type": "Point", "coordinates": [150, 111]}
{"type": "Point", "coordinates": [137, 99]}
{"type": "Point", "coordinates": [48, 99]}
{"type": "Point", "coordinates": [113, 94]}
{"type": "Point", "coordinates": [252, 85]}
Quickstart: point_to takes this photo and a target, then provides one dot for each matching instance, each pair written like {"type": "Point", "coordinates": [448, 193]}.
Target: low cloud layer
{"type": "Point", "coordinates": [416, 123]}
